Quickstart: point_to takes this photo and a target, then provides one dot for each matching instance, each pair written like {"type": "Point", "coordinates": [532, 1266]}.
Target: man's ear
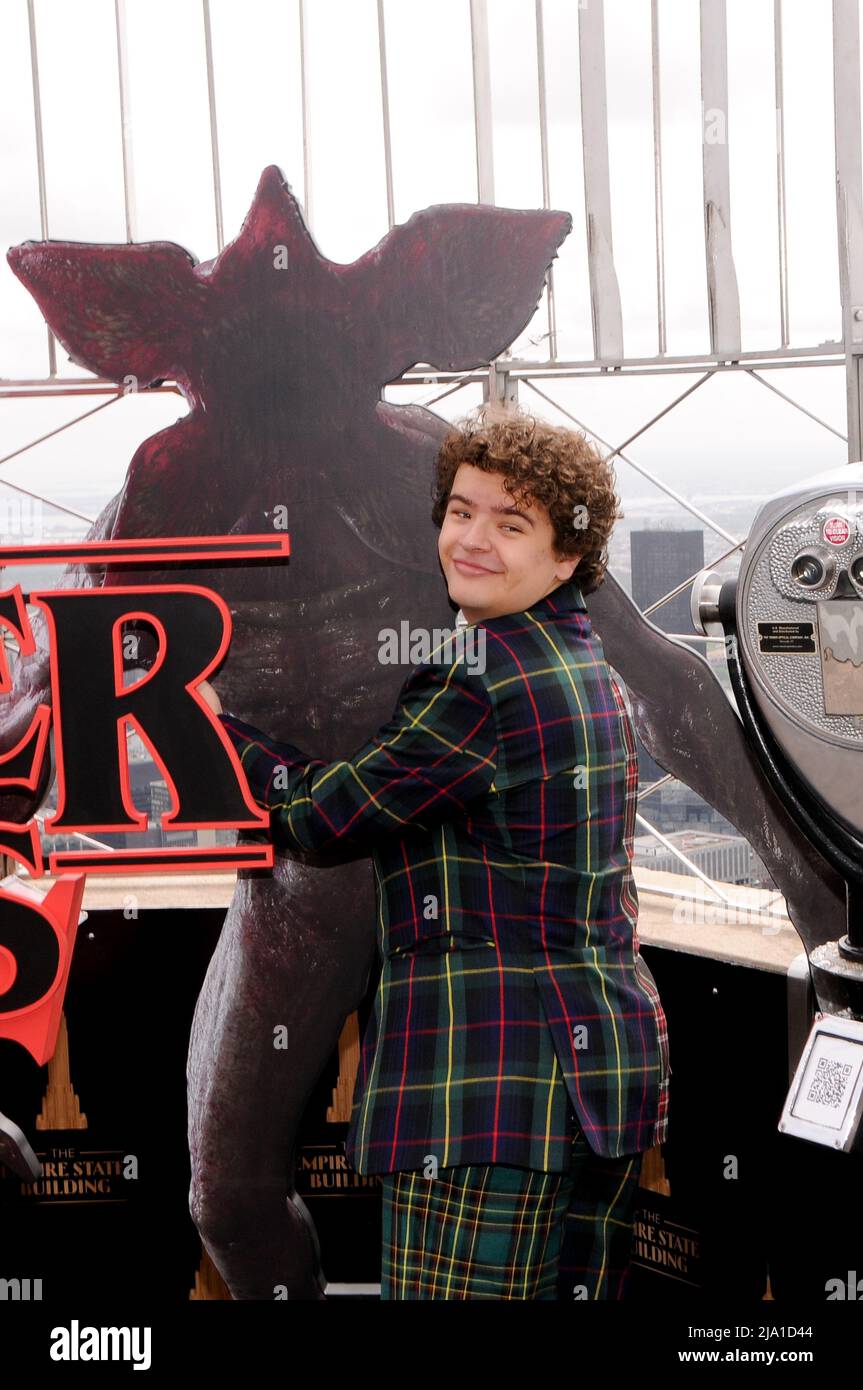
{"type": "Point", "coordinates": [568, 564]}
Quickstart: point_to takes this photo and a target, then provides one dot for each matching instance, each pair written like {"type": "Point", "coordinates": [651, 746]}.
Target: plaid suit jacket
{"type": "Point", "coordinates": [498, 805]}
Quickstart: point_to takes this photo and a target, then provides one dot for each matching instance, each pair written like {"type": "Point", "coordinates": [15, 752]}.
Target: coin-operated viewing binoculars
{"type": "Point", "coordinates": [793, 627]}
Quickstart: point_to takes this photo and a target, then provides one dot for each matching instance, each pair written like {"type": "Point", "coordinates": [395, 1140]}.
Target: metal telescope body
{"type": "Point", "coordinates": [793, 626]}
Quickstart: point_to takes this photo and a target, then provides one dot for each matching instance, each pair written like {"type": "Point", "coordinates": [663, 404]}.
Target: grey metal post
{"type": "Point", "coordinates": [849, 206]}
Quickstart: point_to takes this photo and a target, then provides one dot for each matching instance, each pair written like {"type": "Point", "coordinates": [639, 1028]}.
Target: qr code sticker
{"type": "Point", "coordinates": [829, 1082]}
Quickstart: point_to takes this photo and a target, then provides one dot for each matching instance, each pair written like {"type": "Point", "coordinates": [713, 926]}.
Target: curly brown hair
{"type": "Point", "coordinates": [557, 467]}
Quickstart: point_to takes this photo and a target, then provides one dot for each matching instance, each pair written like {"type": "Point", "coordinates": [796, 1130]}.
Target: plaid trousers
{"type": "Point", "coordinates": [491, 1231]}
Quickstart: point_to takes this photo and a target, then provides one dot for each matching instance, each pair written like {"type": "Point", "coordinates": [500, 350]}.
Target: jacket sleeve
{"type": "Point", "coordinates": [435, 755]}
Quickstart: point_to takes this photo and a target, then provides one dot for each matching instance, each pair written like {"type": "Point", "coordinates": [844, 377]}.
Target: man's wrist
{"type": "Point", "coordinates": [246, 729]}
{"type": "Point", "coordinates": [241, 732]}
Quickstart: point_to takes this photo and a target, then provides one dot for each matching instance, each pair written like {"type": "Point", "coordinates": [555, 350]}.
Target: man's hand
{"type": "Point", "coordinates": [209, 694]}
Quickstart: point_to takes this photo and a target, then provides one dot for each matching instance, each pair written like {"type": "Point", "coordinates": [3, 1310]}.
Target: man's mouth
{"type": "Point", "coordinates": [465, 567]}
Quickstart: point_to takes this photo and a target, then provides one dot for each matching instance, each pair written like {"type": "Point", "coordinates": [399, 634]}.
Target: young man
{"type": "Point", "coordinates": [516, 1066]}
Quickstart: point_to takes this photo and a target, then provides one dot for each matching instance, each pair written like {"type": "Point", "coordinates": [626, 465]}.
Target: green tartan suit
{"type": "Point", "coordinates": [498, 805]}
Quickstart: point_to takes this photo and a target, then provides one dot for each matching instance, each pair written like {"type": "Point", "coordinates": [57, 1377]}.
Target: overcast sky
{"type": "Point", "coordinates": [732, 435]}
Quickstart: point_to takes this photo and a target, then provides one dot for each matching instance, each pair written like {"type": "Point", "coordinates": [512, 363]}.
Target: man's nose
{"type": "Point", "coordinates": [477, 534]}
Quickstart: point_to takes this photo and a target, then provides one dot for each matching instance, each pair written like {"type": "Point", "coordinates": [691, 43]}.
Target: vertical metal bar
{"type": "Point", "coordinates": [40, 161]}
{"type": "Point", "coordinates": [723, 299]}
{"type": "Point", "coordinates": [125, 117]}
{"type": "Point", "coordinates": [482, 101]}
{"type": "Point", "coordinates": [499, 386]}
{"type": "Point", "coordinates": [779, 91]}
{"type": "Point", "coordinates": [385, 112]}
{"type": "Point", "coordinates": [604, 290]}
{"type": "Point", "coordinates": [307, 126]}
{"type": "Point", "coordinates": [849, 206]}
{"type": "Point", "coordinates": [657, 176]}
{"type": "Point", "coordinates": [214, 130]}
{"type": "Point", "coordinates": [546, 183]}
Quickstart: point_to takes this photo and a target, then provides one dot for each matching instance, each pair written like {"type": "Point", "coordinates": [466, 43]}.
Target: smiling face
{"type": "Point", "coordinates": [497, 557]}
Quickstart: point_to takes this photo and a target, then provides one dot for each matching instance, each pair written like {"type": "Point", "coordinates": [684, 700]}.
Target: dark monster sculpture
{"type": "Point", "coordinates": [281, 355]}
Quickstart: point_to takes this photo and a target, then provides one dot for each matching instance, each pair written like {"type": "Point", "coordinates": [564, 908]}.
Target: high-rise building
{"type": "Point", "coordinates": [661, 559]}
